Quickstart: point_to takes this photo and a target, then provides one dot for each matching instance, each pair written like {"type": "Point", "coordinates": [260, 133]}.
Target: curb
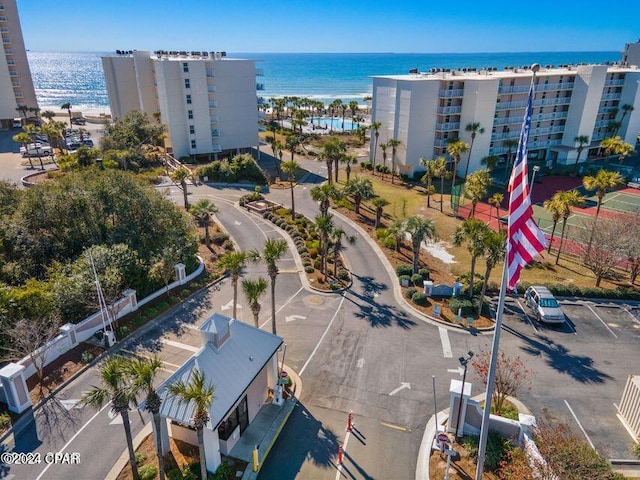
{"type": "Point", "coordinates": [397, 291]}
{"type": "Point", "coordinates": [123, 459]}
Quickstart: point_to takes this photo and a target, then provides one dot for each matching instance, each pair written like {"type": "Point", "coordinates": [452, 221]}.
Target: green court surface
{"type": "Point", "coordinates": [620, 202]}
{"type": "Point", "coordinates": [575, 222]}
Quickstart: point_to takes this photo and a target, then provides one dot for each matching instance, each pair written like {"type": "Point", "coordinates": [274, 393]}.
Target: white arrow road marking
{"type": "Point", "coordinates": [402, 386]}
{"type": "Point", "coordinates": [236, 222]}
{"type": "Point", "coordinates": [446, 345]}
{"type": "Point", "coordinates": [228, 305]}
{"type": "Point", "coordinates": [458, 370]}
{"type": "Point", "coordinates": [70, 403]}
{"type": "Point", "coordinates": [360, 363]}
{"type": "Point", "coordinates": [291, 318]}
{"type": "Point", "coordinates": [116, 418]}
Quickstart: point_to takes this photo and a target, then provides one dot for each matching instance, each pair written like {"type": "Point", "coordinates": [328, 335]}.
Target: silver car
{"type": "Point", "coordinates": [544, 305]}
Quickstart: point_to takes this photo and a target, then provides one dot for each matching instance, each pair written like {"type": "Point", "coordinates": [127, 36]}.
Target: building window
{"type": "Point", "coordinates": [185, 67]}
{"type": "Point", "coordinates": [187, 83]}
{"type": "Point", "coordinates": [193, 144]}
{"type": "Point", "coordinates": [192, 130]}
{"type": "Point", "coordinates": [190, 114]}
{"type": "Point", "coordinates": [189, 99]}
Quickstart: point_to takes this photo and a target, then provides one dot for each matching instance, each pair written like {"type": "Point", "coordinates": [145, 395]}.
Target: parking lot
{"type": "Point", "coordinates": [580, 366]}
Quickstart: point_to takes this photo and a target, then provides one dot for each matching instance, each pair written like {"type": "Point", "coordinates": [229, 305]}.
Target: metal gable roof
{"type": "Point", "coordinates": [230, 368]}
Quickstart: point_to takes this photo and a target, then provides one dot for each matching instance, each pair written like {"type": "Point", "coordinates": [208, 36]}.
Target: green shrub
{"type": "Point", "coordinates": [420, 298]}
{"type": "Point", "coordinates": [404, 277]}
{"type": "Point", "coordinates": [467, 305]}
{"type": "Point", "coordinates": [382, 233]}
{"type": "Point", "coordinates": [635, 449]}
{"type": "Point", "coordinates": [313, 252]}
{"type": "Point", "coordinates": [317, 263]}
{"type": "Point", "coordinates": [410, 291]}
{"type": "Point", "coordinates": [87, 357]}
{"type": "Point", "coordinates": [416, 279]}
{"type": "Point", "coordinates": [343, 203]}
{"type": "Point", "coordinates": [424, 272]}
{"type": "Point", "coordinates": [184, 293]}
{"type": "Point", "coordinates": [283, 212]}
{"type": "Point", "coordinates": [301, 249]}
{"type": "Point", "coordinates": [223, 472]}
{"type": "Point", "coordinates": [404, 269]}
{"type": "Point", "coordinates": [148, 472]}
{"type": "Point", "coordinates": [497, 449]}
{"type": "Point", "coordinates": [218, 238]}
{"type": "Point", "coordinates": [227, 245]}
{"type": "Point", "coordinates": [140, 457]}
{"type": "Point", "coordinates": [240, 168]}
{"type": "Point", "coordinates": [309, 269]}
{"type": "Point", "coordinates": [343, 274]}
{"type": "Point", "coordinates": [389, 242]}
{"type": "Point", "coordinates": [366, 165]}
{"type": "Point", "coordinates": [5, 420]}
{"type": "Point", "coordinates": [174, 474]}
{"type": "Point", "coordinates": [123, 331]}
{"type": "Point", "coordinates": [335, 286]}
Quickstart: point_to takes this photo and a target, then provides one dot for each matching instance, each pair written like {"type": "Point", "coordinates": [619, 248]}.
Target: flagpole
{"type": "Point", "coordinates": [484, 431]}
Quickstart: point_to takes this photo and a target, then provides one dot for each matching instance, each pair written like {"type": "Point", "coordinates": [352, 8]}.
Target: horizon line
{"type": "Point", "coordinates": [356, 53]}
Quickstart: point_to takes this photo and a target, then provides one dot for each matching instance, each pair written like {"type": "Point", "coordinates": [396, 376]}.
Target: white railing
{"type": "Point", "coordinates": [458, 92]}
{"type": "Point", "coordinates": [449, 110]}
{"type": "Point", "coordinates": [613, 83]}
{"type": "Point", "coordinates": [446, 127]}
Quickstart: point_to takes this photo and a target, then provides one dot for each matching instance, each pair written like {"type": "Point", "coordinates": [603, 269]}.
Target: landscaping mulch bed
{"type": "Point", "coordinates": [462, 469]}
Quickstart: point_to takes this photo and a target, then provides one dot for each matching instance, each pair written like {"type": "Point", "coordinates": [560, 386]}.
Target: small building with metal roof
{"type": "Point", "coordinates": [240, 361]}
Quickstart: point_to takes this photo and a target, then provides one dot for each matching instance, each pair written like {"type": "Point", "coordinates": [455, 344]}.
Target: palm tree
{"type": "Point", "coordinates": [234, 263]}
{"type": "Point", "coordinates": [397, 230]}
{"type": "Point", "coordinates": [474, 128]}
{"type": "Point", "coordinates": [472, 232]}
{"type": "Point", "coordinates": [272, 252]}
{"type": "Point", "coordinates": [602, 181]}
{"type": "Point", "coordinates": [348, 160]}
{"type": "Point", "coordinates": [419, 229]}
{"type": "Point", "coordinates": [353, 106]}
{"type": "Point", "coordinates": [67, 106]}
{"type": "Point", "coordinates": [566, 200]}
{"type": "Point", "coordinates": [626, 109]}
{"type": "Point", "coordinates": [196, 390]}
{"type": "Point", "coordinates": [456, 149]}
{"type": "Point", "coordinates": [439, 169]}
{"type": "Point", "coordinates": [117, 390]}
{"type": "Point", "coordinates": [324, 194]}
{"type": "Point", "coordinates": [553, 205]}
{"type": "Point", "coordinates": [344, 109]}
{"type": "Point", "coordinates": [324, 227]}
{"type": "Point", "coordinates": [360, 188]}
{"type": "Point", "coordinates": [144, 372]}
{"type": "Point", "coordinates": [181, 175]}
{"type": "Point", "coordinates": [254, 289]}
{"type": "Point", "coordinates": [476, 186]}
{"type": "Point", "coordinates": [203, 211]}
{"type": "Point", "coordinates": [510, 144]}
{"type": "Point", "coordinates": [616, 146]}
{"type": "Point", "coordinates": [332, 151]}
{"type": "Point", "coordinates": [32, 131]}
{"type": "Point", "coordinates": [333, 106]}
{"type": "Point", "coordinates": [22, 110]}
{"type": "Point", "coordinates": [428, 177]}
{"type": "Point", "coordinates": [375, 128]}
{"type": "Point", "coordinates": [290, 168]}
{"type": "Point", "coordinates": [291, 143]}
{"type": "Point", "coordinates": [48, 114]}
{"type": "Point", "coordinates": [337, 236]}
{"type": "Point", "coordinates": [494, 252]}
{"type": "Point", "coordinates": [379, 203]}
{"type": "Point", "coordinates": [394, 143]}
{"type": "Point", "coordinates": [24, 139]}
{"type": "Point", "coordinates": [383, 147]}
{"type": "Point", "coordinates": [581, 140]}
{"type": "Point", "coordinates": [496, 200]}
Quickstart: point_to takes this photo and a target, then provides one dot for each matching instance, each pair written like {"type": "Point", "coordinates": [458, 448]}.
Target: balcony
{"type": "Point", "coordinates": [216, 148]}
{"type": "Point", "coordinates": [598, 136]}
{"type": "Point", "coordinates": [547, 87]}
{"type": "Point", "coordinates": [447, 127]}
{"type": "Point", "coordinates": [449, 110]}
{"type": "Point", "coordinates": [6, 40]}
{"type": "Point", "coordinates": [511, 105]}
{"type": "Point", "coordinates": [211, 89]}
{"type": "Point", "coordinates": [605, 110]}
{"type": "Point", "coordinates": [602, 123]}
{"type": "Point", "coordinates": [4, 29]}
{"type": "Point", "coordinates": [13, 73]}
{"type": "Point", "coordinates": [3, 18]}
{"type": "Point", "coordinates": [614, 83]}
{"type": "Point", "coordinates": [215, 133]}
{"type": "Point", "coordinates": [214, 119]}
{"type": "Point", "coordinates": [611, 96]}
{"type": "Point", "coordinates": [505, 89]}
{"type": "Point", "coordinates": [507, 120]}
{"type": "Point", "coordinates": [458, 92]}
{"type": "Point", "coordinates": [441, 142]}
{"type": "Point", "coordinates": [19, 95]}
{"type": "Point", "coordinates": [210, 73]}
{"type": "Point", "coordinates": [8, 51]}
{"type": "Point", "coordinates": [15, 84]}
{"type": "Point", "coordinates": [213, 104]}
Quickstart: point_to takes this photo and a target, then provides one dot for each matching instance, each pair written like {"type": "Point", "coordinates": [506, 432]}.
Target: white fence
{"type": "Point", "coordinates": [72, 334]}
{"type": "Point", "coordinates": [629, 410]}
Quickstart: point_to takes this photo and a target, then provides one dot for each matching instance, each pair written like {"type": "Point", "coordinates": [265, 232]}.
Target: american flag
{"type": "Point", "coordinates": [525, 240]}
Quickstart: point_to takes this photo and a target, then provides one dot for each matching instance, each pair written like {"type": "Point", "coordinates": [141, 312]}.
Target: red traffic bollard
{"type": "Point", "coordinates": [350, 421]}
{"type": "Point", "coordinates": [340, 454]}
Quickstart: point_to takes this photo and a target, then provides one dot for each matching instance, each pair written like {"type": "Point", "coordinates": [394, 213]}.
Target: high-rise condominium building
{"type": "Point", "coordinates": [16, 86]}
{"type": "Point", "coordinates": [425, 111]}
{"type": "Point", "coordinates": [207, 101]}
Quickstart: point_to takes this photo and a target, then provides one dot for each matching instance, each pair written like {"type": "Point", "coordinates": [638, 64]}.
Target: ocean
{"type": "Point", "coordinates": [77, 77]}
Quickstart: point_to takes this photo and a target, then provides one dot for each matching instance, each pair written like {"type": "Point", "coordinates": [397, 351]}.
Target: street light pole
{"type": "Point", "coordinates": [464, 361]}
{"type": "Point", "coordinates": [536, 169]}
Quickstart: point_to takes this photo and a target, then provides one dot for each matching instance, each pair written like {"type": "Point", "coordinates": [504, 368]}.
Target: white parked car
{"type": "Point", "coordinates": [36, 149]}
{"type": "Point", "coordinates": [544, 305]}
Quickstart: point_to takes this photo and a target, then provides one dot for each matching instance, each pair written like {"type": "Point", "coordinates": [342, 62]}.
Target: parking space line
{"type": "Point", "coordinates": [284, 305]}
{"type": "Point", "coordinates": [150, 358]}
{"type": "Point", "coordinates": [183, 346]}
{"type": "Point", "coordinates": [579, 424]}
{"type": "Point", "coordinates": [602, 321]}
{"type": "Point", "coordinates": [446, 344]}
{"type": "Point", "coordinates": [344, 449]}
{"type": "Point", "coordinates": [526, 315]}
{"type": "Point", "coordinates": [633, 317]}
{"type": "Point", "coordinates": [304, 367]}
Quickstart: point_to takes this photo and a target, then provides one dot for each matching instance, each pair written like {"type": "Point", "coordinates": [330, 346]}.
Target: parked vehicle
{"type": "Point", "coordinates": [36, 149]}
{"type": "Point", "coordinates": [78, 120]}
{"type": "Point", "coordinates": [544, 305]}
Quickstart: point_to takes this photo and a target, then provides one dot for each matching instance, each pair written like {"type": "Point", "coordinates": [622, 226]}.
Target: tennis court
{"type": "Point", "coordinates": [620, 201]}
{"type": "Point", "coordinates": [576, 222]}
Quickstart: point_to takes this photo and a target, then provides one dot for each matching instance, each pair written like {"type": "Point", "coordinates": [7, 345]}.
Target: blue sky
{"type": "Point", "coordinates": [421, 26]}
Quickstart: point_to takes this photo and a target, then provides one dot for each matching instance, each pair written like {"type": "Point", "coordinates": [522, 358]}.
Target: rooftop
{"type": "Point", "coordinates": [230, 361]}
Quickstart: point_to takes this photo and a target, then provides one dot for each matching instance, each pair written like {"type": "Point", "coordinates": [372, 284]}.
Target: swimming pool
{"type": "Point", "coordinates": [325, 122]}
